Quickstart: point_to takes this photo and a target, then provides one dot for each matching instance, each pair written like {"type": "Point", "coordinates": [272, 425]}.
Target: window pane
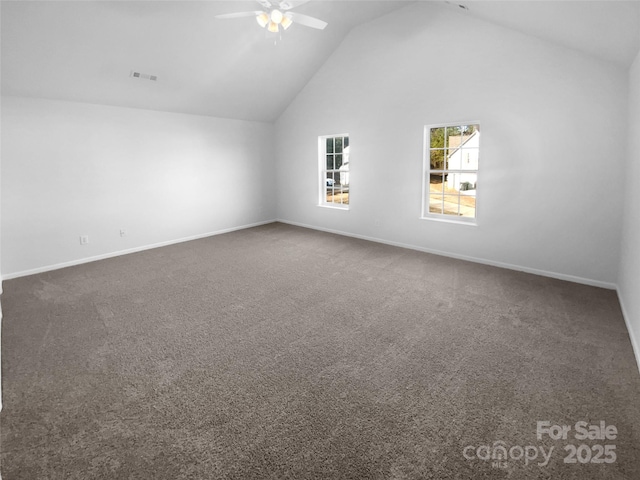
{"type": "Point", "coordinates": [453, 137]}
{"type": "Point", "coordinates": [338, 161]}
{"type": "Point", "coordinates": [331, 186]}
{"type": "Point", "coordinates": [437, 159]}
{"type": "Point", "coordinates": [452, 158]}
{"type": "Point", "coordinates": [330, 180]}
{"type": "Point", "coordinates": [469, 129]}
{"type": "Point", "coordinates": [460, 182]}
{"type": "Point", "coordinates": [437, 137]}
{"type": "Point", "coordinates": [338, 142]}
{"type": "Point", "coordinates": [467, 182]}
{"type": "Point", "coordinates": [329, 145]}
{"type": "Point", "coordinates": [451, 204]}
{"type": "Point", "coordinates": [329, 195]}
{"type": "Point", "coordinates": [467, 206]}
{"type": "Point", "coordinates": [346, 142]}
{"type": "Point", "coordinates": [468, 212]}
{"type": "Point", "coordinates": [469, 159]}
{"type": "Point", "coordinates": [436, 183]}
{"type": "Point", "coordinates": [435, 203]}
{"type": "Point", "coordinates": [329, 162]}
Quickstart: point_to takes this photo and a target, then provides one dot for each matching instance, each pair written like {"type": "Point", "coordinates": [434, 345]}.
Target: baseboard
{"type": "Point", "coordinates": [634, 340]}
{"type": "Point", "coordinates": [118, 253]}
{"type": "Point", "coordinates": [544, 273]}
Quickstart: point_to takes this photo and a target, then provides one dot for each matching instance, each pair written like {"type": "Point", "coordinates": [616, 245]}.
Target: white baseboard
{"type": "Point", "coordinates": [634, 340]}
{"type": "Point", "coordinates": [103, 256]}
{"type": "Point", "coordinates": [544, 273]}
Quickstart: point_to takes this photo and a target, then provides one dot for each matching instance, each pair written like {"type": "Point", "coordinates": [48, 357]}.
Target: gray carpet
{"type": "Point", "coordinates": [283, 353]}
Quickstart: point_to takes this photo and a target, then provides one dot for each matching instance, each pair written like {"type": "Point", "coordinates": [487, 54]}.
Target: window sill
{"type": "Point", "coordinates": [443, 219]}
{"type": "Point", "coordinates": [334, 207]}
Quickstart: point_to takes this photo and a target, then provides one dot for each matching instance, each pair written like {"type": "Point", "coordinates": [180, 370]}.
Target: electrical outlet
{"type": "Point", "coordinates": [123, 232]}
{"type": "Point", "coordinates": [84, 239]}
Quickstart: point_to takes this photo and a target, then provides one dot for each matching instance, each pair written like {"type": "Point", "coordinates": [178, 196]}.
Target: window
{"type": "Point", "coordinates": [334, 170]}
{"type": "Point", "coordinates": [451, 172]}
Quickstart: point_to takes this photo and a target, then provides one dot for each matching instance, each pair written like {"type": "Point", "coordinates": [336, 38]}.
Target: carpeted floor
{"type": "Point", "coordinates": [284, 353]}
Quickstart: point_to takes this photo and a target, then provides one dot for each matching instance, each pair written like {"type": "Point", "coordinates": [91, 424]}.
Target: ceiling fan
{"type": "Point", "coordinates": [278, 14]}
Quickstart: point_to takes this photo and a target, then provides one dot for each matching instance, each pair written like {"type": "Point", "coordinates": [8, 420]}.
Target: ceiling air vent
{"type": "Point", "coordinates": [144, 76]}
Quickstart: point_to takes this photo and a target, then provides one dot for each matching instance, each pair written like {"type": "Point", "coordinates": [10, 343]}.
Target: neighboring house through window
{"type": "Point", "coordinates": [451, 171]}
{"type": "Point", "coordinates": [334, 170]}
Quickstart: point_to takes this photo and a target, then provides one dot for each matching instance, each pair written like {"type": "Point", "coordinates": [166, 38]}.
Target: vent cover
{"type": "Point", "coordinates": [144, 76]}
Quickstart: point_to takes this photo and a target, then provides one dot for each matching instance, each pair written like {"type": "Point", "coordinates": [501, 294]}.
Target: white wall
{"type": "Point", "coordinates": [0, 259]}
{"type": "Point", "coordinates": [552, 151]}
{"type": "Point", "coordinates": [629, 282]}
{"type": "Point", "coordinates": [71, 169]}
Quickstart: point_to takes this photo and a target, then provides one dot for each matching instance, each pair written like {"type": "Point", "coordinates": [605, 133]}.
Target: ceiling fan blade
{"type": "Point", "coordinates": [265, 3]}
{"type": "Point", "coordinates": [307, 21]}
{"type": "Point", "coordinates": [239, 14]}
{"type": "Point", "coordinates": [289, 4]}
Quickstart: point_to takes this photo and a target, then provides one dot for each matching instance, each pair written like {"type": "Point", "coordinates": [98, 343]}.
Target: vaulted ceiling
{"type": "Point", "coordinates": [608, 29]}
{"type": "Point", "coordinates": [85, 50]}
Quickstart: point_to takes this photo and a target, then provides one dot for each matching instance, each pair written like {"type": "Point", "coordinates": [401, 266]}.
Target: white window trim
{"type": "Point", "coordinates": [426, 170]}
{"type": "Point", "coordinates": [322, 187]}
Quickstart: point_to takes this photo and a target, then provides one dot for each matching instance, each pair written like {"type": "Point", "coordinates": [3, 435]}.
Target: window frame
{"type": "Point", "coordinates": [427, 171]}
{"type": "Point", "coordinates": [322, 173]}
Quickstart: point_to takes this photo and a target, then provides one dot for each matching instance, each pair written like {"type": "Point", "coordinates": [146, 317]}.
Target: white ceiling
{"type": "Point", "coordinates": [607, 29]}
{"type": "Point", "coordinates": [84, 50]}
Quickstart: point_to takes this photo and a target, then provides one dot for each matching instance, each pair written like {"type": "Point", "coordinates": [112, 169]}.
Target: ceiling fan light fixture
{"type": "Point", "coordinates": [273, 27]}
{"type": "Point", "coordinates": [276, 16]}
{"type": "Point", "coordinates": [262, 19]}
{"type": "Point", "coordinates": [286, 22]}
